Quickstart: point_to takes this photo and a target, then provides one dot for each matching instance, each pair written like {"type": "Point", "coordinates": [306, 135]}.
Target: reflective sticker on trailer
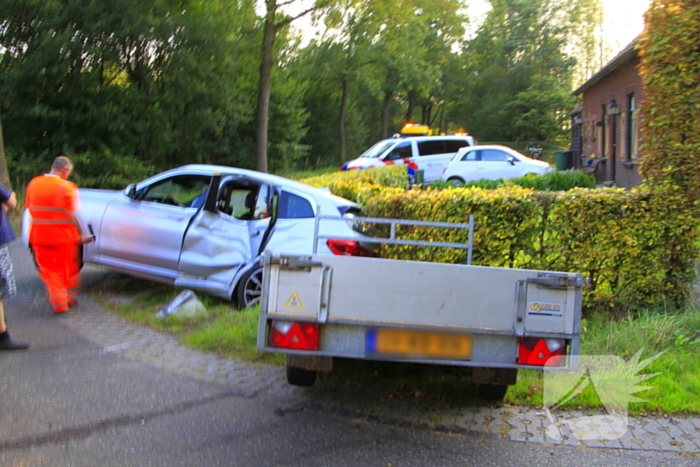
{"type": "Point", "coordinates": [294, 301]}
{"type": "Point", "coordinates": [545, 309]}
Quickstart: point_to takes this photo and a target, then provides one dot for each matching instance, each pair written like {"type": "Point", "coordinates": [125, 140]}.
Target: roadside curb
{"type": "Point", "coordinates": [522, 424]}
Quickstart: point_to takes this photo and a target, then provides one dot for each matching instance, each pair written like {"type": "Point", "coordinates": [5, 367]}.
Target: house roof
{"type": "Point", "coordinates": [627, 54]}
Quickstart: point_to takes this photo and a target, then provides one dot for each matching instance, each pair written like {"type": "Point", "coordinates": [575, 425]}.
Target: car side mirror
{"type": "Point", "coordinates": [511, 159]}
{"type": "Point", "coordinates": [130, 191]}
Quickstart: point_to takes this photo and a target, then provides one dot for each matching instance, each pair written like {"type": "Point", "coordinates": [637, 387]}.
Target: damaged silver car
{"type": "Point", "coordinates": [205, 227]}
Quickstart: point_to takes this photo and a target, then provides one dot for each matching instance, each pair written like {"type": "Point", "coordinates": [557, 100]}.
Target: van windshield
{"type": "Point", "coordinates": [378, 149]}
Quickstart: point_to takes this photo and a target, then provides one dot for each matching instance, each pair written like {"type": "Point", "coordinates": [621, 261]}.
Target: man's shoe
{"type": "Point", "coordinates": [72, 302]}
{"type": "Point", "coordinates": [11, 344]}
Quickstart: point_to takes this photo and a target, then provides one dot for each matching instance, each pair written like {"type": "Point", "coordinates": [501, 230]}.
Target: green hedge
{"type": "Point", "coordinates": [553, 181]}
{"type": "Point", "coordinates": [360, 185]}
{"type": "Point", "coordinates": [638, 247]}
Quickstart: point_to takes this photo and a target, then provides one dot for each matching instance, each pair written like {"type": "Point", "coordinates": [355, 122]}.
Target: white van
{"type": "Point", "coordinates": [431, 154]}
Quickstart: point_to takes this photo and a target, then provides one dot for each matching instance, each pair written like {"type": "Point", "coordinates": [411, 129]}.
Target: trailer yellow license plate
{"type": "Point", "coordinates": [418, 344]}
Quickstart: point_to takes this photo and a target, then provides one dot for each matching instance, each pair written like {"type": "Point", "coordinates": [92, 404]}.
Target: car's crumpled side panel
{"type": "Point", "coordinates": [215, 247]}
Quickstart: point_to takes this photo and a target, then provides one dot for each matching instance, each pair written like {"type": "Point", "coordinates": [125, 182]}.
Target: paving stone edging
{"type": "Point", "coordinates": [115, 334]}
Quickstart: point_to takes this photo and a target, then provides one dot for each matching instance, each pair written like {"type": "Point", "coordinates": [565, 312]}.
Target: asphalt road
{"type": "Point", "coordinates": [69, 402]}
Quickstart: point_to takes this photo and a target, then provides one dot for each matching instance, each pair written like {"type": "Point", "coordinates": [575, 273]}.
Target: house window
{"type": "Point", "coordinates": [632, 128]}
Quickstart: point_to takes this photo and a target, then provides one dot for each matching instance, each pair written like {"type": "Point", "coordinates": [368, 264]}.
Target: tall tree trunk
{"type": "Point", "coordinates": [265, 86]}
{"type": "Point", "coordinates": [385, 114]}
{"type": "Point", "coordinates": [4, 173]}
{"type": "Point", "coordinates": [411, 105]}
{"type": "Point", "coordinates": [341, 120]}
{"type": "Point", "coordinates": [426, 114]}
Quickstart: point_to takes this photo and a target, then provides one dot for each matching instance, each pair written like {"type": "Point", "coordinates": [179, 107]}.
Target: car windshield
{"type": "Point", "coordinates": [378, 149]}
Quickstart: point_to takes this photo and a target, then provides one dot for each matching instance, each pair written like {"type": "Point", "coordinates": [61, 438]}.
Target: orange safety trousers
{"type": "Point", "coordinates": [58, 268]}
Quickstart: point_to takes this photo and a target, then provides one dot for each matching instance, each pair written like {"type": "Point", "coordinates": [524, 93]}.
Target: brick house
{"type": "Point", "coordinates": [606, 124]}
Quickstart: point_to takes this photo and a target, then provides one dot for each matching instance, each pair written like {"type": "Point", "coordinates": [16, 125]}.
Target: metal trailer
{"type": "Point", "coordinates": [495, 320]}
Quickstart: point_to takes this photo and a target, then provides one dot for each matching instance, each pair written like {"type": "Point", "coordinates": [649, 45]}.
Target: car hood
{"type": "Point", "coordinates": [90, 195]}
{"type": "Point", "coordinates": [93, 201]}
{"type": "Point", "coordinates": [363, 163]}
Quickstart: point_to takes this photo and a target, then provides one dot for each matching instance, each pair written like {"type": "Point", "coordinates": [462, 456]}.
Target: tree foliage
{"type": "Point", "coordinates": [161, 82]}
{"type": "Point", "coordinates": [127, 87]}
{"type": "Point", "coordinates": [518, 71]}
{"type": "Point", "coordinates": [378, 62]}
{"type": "Point", "coordinates": [670, 71]}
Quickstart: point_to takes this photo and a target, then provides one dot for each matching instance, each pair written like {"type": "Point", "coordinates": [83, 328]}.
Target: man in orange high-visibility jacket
{"type": "Point", "coordinates": [54, 233]}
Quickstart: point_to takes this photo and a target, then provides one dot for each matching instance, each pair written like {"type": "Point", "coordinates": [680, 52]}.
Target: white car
{"type": "Point", "coordinates": [491, 162]}
{"type": "Point", "coordinates": [430, 154]}
{"type": "Point", "coordinates": [205, 227]}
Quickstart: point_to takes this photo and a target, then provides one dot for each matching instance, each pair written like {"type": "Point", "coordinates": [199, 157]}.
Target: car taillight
{"type": "Point", "coordinates": [540, 352]}
{"type": "Point", "coordinates": [294, 335]}
{"type": "Point", "coordinates": [347, 248]}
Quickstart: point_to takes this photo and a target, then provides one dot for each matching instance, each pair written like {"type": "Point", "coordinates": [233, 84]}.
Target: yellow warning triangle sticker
{"type": "Point", "coordinates": [294, 301]}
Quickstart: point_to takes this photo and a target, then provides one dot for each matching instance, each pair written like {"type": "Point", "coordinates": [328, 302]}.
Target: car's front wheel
{"type": "Point", "coordinates": [456, 181]}
{"type": "Point", "coordinates": [249, 288]}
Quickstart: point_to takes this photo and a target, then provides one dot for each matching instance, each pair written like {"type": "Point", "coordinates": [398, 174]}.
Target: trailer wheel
{"type": "Point", "coordinates": [492, 392]}
{"type": "Point", "coordinates": [300, 377]}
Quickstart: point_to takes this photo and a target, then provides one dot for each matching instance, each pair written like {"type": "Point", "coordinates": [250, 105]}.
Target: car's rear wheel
{"type": "Point", "coordinates": [456, 181]}
{"type": "Point", "coordinates": [249, 288]}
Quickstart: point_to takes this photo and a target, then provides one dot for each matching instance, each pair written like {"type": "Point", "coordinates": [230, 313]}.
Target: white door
{"type": "Point", "coordinates": [496, 165]}
{"type": "Point", "coordinates": [435, 154]}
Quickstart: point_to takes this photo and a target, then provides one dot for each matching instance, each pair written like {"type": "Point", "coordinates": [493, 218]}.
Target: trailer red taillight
{"type": "Point", "coordinates": [538, 352]}
{"type": "Point", "coordinates": [294, 335]}
{"type": "Point", "coordinates": [347, 248]}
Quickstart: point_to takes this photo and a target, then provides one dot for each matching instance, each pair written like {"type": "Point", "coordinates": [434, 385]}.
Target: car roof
{"type": "Point", "coordinates": [208, 169]}
{"type": "Point", "coordinates": [488, 146]}
{"type": "Point", "coordinates": [427, 138]}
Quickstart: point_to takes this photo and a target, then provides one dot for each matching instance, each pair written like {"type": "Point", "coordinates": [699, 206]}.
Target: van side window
{"type": "Point", "coordinates": [432, 147]}
{"type": "Point", "coordinates": [294, 207]}
{"type": "Point", "coordinates": [453, 145]}
{"type": "Point", "coordinates": [401, 151]}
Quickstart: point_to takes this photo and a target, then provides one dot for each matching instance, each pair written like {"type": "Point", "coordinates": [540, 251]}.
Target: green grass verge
{"type": "Point", "coordinates": [232, 333]}
{"type": "Point", "coordinates": [223, 329]}
{"type": "Point", "coordinates": [675, 387]}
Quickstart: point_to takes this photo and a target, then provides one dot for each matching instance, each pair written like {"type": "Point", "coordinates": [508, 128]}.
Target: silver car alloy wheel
{"type": "Point", "coordinates": [250, 287]}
